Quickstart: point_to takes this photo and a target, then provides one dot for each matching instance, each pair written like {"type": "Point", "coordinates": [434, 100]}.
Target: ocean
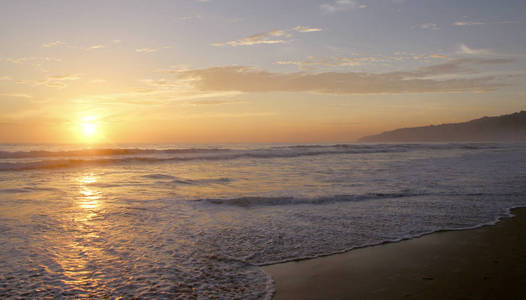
{"type": "Point", "coordinates": [198, 221]}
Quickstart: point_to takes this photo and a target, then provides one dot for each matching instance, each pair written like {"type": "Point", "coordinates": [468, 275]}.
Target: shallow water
{"type": "Point", "coordinates": [166, 221]}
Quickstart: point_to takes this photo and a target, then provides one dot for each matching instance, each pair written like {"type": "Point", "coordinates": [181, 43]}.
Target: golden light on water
{"type": "Point", "coordinates": [84, 248]}
{"type": "Point", "coordinates": [88, 179]}
{"type": "Point", "coordinates": [89, 197]}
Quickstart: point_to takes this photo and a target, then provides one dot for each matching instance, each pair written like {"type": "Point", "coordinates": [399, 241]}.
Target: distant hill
{"type": "Point", "coordinates": [510, 127]}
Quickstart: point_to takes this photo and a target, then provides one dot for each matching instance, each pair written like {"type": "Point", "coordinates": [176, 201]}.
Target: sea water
{"type": "Point", "coordinates": [197, 222]}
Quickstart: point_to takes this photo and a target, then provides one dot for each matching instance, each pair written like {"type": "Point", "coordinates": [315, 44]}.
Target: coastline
{"type": "Point", "coordinates": [484, 262]}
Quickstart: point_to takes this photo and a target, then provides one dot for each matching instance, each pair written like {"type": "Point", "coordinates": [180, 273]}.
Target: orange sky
{"type": "Point", "coordinates": [232, 71]}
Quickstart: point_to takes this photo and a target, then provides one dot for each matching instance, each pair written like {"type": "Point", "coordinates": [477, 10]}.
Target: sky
{"type": "Point", "coordinates": [238, 71]}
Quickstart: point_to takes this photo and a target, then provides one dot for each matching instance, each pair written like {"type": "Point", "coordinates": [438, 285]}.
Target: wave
{"type": "Point", "coordinates": [158, 176]}
{"type": "Point", "coordinates": [27, 190]}
{"type": "Point", "coordinates": [506, 213]}
{"type": "Point", "coordinates": [14, 161]}
{"type": "Point", "coordinates": [202, 181]}
{"type": "Point", "coordinates": [102, 152]}
{"type": "Point", "coordinates": [185, 181]}
{"type": "Point", "coordinates": [288, 200]}
{"type": "Point", "coordinates": [274, 201]}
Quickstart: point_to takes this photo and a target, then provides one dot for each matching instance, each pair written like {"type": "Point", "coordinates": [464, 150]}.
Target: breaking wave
{"type": "Point", "coordinates": [32, 160]}
{"type": "Point", "coordinates": [276, 201]}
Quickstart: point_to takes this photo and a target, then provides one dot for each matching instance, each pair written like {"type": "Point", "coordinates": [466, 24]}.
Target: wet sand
{"type": "Point", "coordinates": [484, 263]}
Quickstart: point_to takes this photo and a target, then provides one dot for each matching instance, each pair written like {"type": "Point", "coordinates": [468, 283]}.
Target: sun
{"type": "Point", "coordinates": [89, 129]}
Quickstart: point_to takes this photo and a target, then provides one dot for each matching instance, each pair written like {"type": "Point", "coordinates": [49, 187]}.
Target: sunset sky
{"type": "Point", "coordinates": [217, 71]}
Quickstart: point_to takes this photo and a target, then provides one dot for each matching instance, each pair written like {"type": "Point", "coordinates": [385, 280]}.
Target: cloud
{"type": "Point", "coordinates": [189, 18]}
{"type": "Point", "coordinates": [269, 37]}
{"type": "Point", "coordinates": [474, 23]}
{"type": "Point", "coordinates": [464, 49]}
{"type": "Point", "coordinates": [215, 102]}
{"type": "Point", "coordinates": [53, 44]}
{"type": "Point", "coordinates": [15, 95]}
{"type": "Point", "coordinates": [279, 36]}
{"type": "Point", "coordinates": [96, 81]}
{"type": "Point", "coordinates": [312, 62]}
{"type": "Point", "coordinates": [73, 46]}
{"type": "Point", "coordinates": [155, 92]}
{"type": "Point", "coordinates": [248, 79]}
{"type": "Point", "coordinates": [58, 81]}
{"type": "Point", "coordinates": [146, 50]}
{"type": "Point", "coordinates": [65, 77]}
{"type": "Point", "coordinates": [461, 23]}
{"type": "Point", "coordinates": [40, 63]}
{"type": "Point", "coordinates": [151, 50]}
{"type": "Point", "coordinates": [306, 29]}
{"type": "Point", "coordinates": [429, 26]}
{"type": "Point", "coordinates": [35, 61]}
{"type": "Point", "coordinates": [340, 5]}
{"type": "Point", "coordinates": [457, 66]}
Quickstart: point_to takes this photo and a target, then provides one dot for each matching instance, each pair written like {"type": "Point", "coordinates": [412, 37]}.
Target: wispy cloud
{"type": "Point", "coordinates": [464, 23]}
{"type": "Point", "coordinates": [279, 36]}
{"type": "Point", "coordinates": [154, 92]}
{"type": "Point", "coordinates": [464, 49]}
{"type": "Point", "coordinates": [57, 81]}
{"type": "Point", "coordinates": [15, 95]}
{"type": "Point", "coordinates": [96, 81]}
{"type": "Point", "coordinates": [146, 50]}
{"type": "Point", "coordinates": [312, 62]}
{"type": "Point", "coordinates": [189, 18]}
{"type": "Point", "coordinates": [53, 44]}
{"type": "Point", "coordinates": [429, 26]}
{"type": "Point", "coordinates": [475, 23]}
{"type": "Point", "coordinates": [269, 37]}
{"type": "Point", "coordinates": [248, 79]}
{"type": "Point", "coordinates": [32, 60]}
{"type": "Point", "coordinates": [458, 66]}
{"type": "Point", "coordinates": [340, 5]}
{"type": "Point", "coordinates": [215, 102]}
{"type": "Point", "coordinates": [39, 63]}
{"type": "Point", "coordinates": [73, 46]}
{"type": "Point", "coordinates": [306, 29]}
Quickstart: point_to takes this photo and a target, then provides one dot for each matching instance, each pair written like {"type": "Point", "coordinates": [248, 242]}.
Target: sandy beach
{"type": "Point", "coordinates": [483, 263]}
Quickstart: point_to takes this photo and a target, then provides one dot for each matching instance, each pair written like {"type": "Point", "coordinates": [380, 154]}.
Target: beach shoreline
{"type": "Point", "coordinates": [483, 262]}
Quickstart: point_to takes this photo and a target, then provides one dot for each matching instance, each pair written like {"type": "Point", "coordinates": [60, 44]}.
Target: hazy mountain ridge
{"type": "Point", "coordinates": [511, 127]}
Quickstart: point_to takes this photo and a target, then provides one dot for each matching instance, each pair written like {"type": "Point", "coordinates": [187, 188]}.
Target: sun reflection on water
{"type": "Point", "coordinates": [89, 197]}
{"type": "Point", "coordinates": [88, 179]}
{"type": "Point", "coordinates": [82, 253]}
